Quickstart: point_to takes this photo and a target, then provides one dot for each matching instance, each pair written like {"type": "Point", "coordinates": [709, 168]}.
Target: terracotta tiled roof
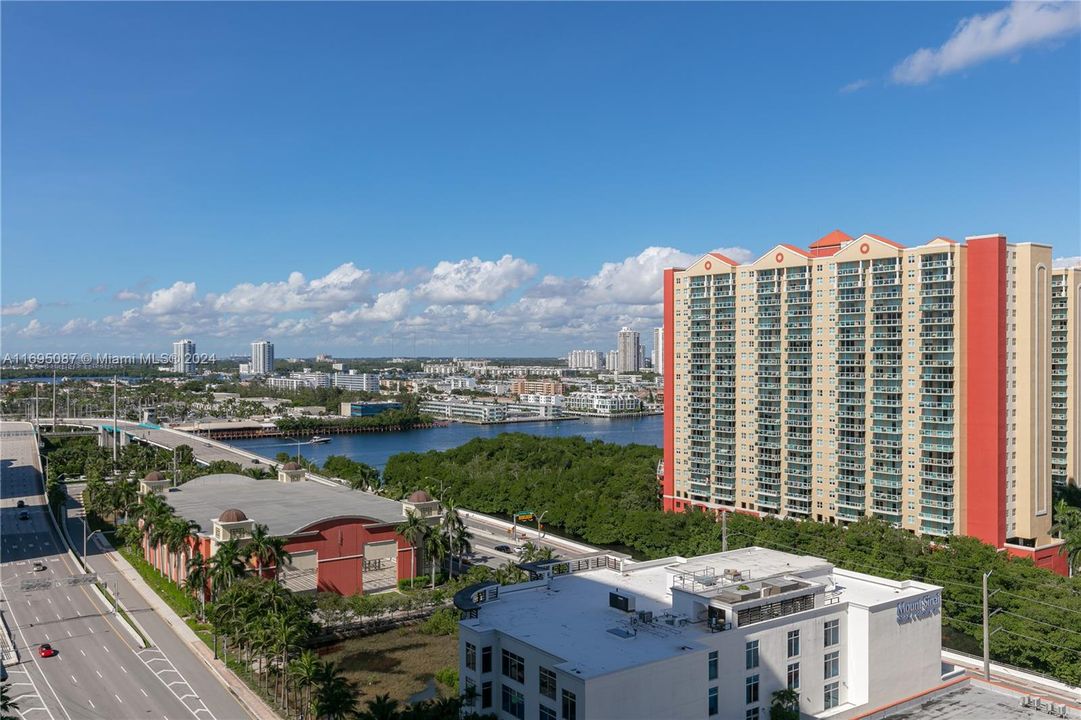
{"type": "Point", "coordinates": [835, 238]}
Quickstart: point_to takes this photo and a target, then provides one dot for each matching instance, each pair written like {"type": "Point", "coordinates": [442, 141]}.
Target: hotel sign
{"type": "Point", "coordinates": [918, 608]}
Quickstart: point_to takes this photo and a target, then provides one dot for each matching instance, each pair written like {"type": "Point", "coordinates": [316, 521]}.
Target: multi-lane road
{"type": "Point", "coordinates": [101, 670]}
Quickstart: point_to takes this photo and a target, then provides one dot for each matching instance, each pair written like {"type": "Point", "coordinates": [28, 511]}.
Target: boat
{"type": "Point", "coordinates": [318, 440]}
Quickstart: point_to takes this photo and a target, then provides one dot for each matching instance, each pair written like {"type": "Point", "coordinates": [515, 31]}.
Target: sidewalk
{"type": "Point", "coordinates": [252, 703]}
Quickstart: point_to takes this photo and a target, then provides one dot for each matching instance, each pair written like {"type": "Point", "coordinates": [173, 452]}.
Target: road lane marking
{"type": "Point", "coordinates": [99, 673]}
{"type": "Point", "coordinates": [122, 668]}
{"type": "Point", "coordinates": [117, 698]}
{"type": "Point", "coordinates": [143, 692]}
{"type": "Point", "coordinates": [105, 648]}
{"type": "Point", "coordinates": [69, 634]}
{"type": "Point", "coordinates": [74, 680]}
{"type": "Point", "coordinates": [90, 701]}
{"type": "Point", "coordinates": [83, 652]}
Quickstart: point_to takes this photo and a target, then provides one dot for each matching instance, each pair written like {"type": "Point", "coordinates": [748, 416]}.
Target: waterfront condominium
{"type": "Point", "coordinates": [184, 357]}
{"type": "Point", "coordinates": [628, 351]}
{"type": "Point", "coordinates": [864, 378]}
{"type": "Point", "coordinates": [657, 354]}
{"type": "Point", "coordinates": [262, 358]}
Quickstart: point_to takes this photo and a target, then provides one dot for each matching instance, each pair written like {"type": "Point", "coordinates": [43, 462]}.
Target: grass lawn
{"type": "Point", "coordinates": [397, 662]}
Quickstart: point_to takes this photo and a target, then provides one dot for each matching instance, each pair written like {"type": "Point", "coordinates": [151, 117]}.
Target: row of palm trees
{"type": "Point", "coordinates": [251, 614]}
{"type": "Point", "coordinates": [449, 539]}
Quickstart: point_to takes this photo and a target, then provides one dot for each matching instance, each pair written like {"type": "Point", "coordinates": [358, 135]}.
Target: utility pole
{"type": "Point", "coordinates": [724, 531]}
{"type": "Point", "coordinates": [54, 399]}
{"type": "Point", "coordinates": [986, 632]}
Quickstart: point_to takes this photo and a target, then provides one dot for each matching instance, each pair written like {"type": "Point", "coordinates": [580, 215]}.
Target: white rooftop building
{"type": "Point", "coordinates": [708, 637]}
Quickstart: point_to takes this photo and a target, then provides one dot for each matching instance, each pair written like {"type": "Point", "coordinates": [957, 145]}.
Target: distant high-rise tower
{"type": "Point", "coordinates": [657, 357]}
{"type": "Point", "coordinates": [611, 361]}
{"type": "Point", "coordinates": [184, 357]}
{"type": "Point", "coordinates": [262, 358]}
{"type": "Point", "coordinates": [585, 359]}
{"type": "Point", "coordinates": [628, 350]}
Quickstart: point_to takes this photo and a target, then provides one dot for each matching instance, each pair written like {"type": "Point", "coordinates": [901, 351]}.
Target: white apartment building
{"type": "Point", "coordinates": [458, 382]}
{"type": "Point", "coordinates": [464, 410]}
{"type": "Point", "coordinates": [298, 380]}
{"type": "Point", "coordinates": [585, 360]}
{"type": "Point", "coordinates": [184, 357]}
{"type": "Point", "coordinates": [628, 351]}
{"type": "Point", "coordinates": [657, 356]}
{"type": "Point", "coordinates": [592, 402]}
{"type": "Point", "coordinates": [363, 382]}
{"type": "Point", "coordinates": [545, 406]}
{"type": "Point", "coordinates": [611, 360]}
{"type": "Point", "coordinates": [262, 358]}
{"type": "Point", "coordinates": [714, 636]}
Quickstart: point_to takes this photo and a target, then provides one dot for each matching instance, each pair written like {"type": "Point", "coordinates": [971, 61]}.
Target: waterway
{"type": "Point", "coordinates": [376, 447]}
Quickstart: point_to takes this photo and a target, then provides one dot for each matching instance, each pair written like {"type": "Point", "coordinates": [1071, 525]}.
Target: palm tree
{"type": "Point", "coordinates": [508, 574]}
{"type": "Point", "coordinates": [226, 566]}
{"type": "Point", "coordinates": [198, 574]}
{"type": "Point", "coordinates": [277, 555]}
{"type": "Point", "coordinates": [436, 546]}
{"type": "Point", "coordinates": [784, 705]}
{"type": "Point", "coordinates": [414, 530]}
{"type": "Point", "coordinates": [178, 532]}
{"type": "Point", "coordinates": [286, 633]}
{"type": "Point", "coordinates": [454, 527]}
{"type": "Point", "coordinates": [335, 697]}
{"type": "Point", "coordinates": [381, 707]}
{"type": "Point", "coordinates": [460, 539]}
{"type": "Point", "coordinates": [124, 497]}
{"type": "Point", "coordinates": [153, 511]}
{"type": "Point", "coordinates": [305, 670]}
{"type": "Point", "coordinates": [1068, 527]}
{"type": "Point", "coordinates": [257, 546]}
{"type": "Point", "coordinates": [7, 705]}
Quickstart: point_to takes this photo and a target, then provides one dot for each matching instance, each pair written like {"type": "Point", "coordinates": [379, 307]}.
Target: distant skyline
{"type": "Point", "coordinates": [494, 178]}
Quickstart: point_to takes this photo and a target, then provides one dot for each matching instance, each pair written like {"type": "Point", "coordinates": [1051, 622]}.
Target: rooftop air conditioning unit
{"type": "Point", "coordinates": [645, 616]}
{"type": "Point", "coordinates": [621, 602]}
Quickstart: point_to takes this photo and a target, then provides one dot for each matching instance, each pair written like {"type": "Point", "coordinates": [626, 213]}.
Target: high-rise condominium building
{"type": "Point", "coordinates": [628, 351]}
{"type": "Point", "coordinates": [1065, 375]}
{"type": "Point", "coordinates": [585, 360]}
{"type": "Point", "coordinates": [611, 361]}
{"type": "Point", "coordinates": [262, 358]}
{"type": "Point", "coordinates": [184, 357]}
{"type": "Point", "coordinates": [863, 378]}
{"type": "Point", "coordinates": [657, 356]}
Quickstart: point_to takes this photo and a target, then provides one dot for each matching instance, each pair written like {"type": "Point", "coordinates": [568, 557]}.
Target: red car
{"type": "Point", "coordinates": [46, 650]}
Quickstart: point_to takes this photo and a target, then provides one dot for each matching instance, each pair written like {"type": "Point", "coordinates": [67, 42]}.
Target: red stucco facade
{"type": "Point", "coordinates": [985, 414]}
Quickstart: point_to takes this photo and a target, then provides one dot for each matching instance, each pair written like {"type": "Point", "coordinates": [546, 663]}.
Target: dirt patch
{"type": "Point", "coordinates": [397, 662]}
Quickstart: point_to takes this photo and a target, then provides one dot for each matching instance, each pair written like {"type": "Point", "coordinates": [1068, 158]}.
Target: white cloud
{"type": "Point", "coordinates": [1066, 262]}
{"type": "Point", "coordinates": [352, 307]}
{"type": "Point", "coordinates": [33, 329]}
{"type": "Point", "coordinates": [344, 284]}
{"type": "Point", "coordinates": [127, 295]}
{"type": "Point", "coordinates": [26, 307]}
{"type": "Point", "coordinates": [475, 280]}
{"type": "Point", "coordinates": [979, 38]}
{"type": "Point", "coordinates": [180, 297]}
{"type": "Point", "coordinates": [854, 86]}
{"type": "Point", "coordinates": [388, 306]}
{"type": "Point", "coordinates": [77, 325]}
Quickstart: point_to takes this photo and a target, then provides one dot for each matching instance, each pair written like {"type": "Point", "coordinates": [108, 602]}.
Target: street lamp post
{"type": "Point", "coordinates": [540, 527]}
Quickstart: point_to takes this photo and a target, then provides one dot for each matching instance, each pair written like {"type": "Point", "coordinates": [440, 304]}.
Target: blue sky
{"type": "Point", "coordinates": [495, 178]}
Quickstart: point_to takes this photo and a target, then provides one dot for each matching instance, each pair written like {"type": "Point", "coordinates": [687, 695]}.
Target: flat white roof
{"type": "Point", "coordinates": [570, 618]}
